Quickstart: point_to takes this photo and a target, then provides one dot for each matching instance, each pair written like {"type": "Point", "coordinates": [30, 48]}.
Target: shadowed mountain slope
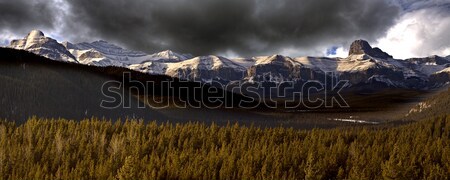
{"type": "Point", "coordinates": [437, 104]}
{"type": "Point", "coordinates": [33, 85]}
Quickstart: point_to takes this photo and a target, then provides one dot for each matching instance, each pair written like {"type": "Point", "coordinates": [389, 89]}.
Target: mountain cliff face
{"type": "Point", "coordinates": [102, 53]}
{"type": "Point", "coordinates": [206, 68]}
{"type": "Point", "coordinates": [363, 47]}
{"type": "Point", "coordinates": [170, 56]}
{"type": "Point", "coordinates": [365, 65]}
{"type": "Point", "coordinates": [276, 68]}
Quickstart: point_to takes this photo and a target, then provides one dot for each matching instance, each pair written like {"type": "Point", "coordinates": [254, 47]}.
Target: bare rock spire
{"type": "Point", "coordinates": [363, 47]}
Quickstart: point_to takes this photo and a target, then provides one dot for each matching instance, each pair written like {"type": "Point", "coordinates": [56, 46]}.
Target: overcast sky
{"type": "Point", "coordinates": [403, 28]}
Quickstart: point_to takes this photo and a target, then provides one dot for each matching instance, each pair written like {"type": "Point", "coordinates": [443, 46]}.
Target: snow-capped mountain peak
{"type": "Point", "coordinates": [207, 63]}
{"type": "Point", "coordinates": [36, 42]}
{"type": "Point", "coordinates": [206, 68]}
{"type": "Point", "coordinates": [35, 34]}
{"type": "Point", "coordinates": [170, 55]}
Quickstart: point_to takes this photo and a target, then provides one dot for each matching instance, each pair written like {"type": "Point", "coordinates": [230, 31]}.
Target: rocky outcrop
{"type": "Point", "coordinates": [363, 47]}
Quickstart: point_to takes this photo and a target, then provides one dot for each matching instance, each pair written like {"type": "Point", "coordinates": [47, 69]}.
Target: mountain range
{"type": "Point", "coordinates": [46, 78]}
{"type": "Point", "coordinates": [365, 66]}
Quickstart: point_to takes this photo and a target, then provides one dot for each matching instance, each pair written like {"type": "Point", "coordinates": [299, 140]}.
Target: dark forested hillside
{"type": "Point", "coordinates": [36, 86]}
{"type": "Point", "coordinates": [93, 149]}
{"type": "Point", "coordinates": [33, 85]}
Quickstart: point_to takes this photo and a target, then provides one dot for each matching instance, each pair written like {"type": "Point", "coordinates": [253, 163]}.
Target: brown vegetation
{"type": "Point", "coordinates": [94, 149]}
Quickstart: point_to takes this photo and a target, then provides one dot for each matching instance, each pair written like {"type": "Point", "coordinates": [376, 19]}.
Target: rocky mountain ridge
{"type": "Point", "coordinates": [365, 65]}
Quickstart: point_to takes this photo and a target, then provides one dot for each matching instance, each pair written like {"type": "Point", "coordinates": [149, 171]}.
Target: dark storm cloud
{"type": "Point", "coordinates": [246, 27]}
{"type": "Point", "coordinates": [23, 15]}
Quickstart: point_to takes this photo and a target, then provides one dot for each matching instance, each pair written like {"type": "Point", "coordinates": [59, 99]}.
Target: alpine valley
{"type": "Point", "coordinates": [63, 79]}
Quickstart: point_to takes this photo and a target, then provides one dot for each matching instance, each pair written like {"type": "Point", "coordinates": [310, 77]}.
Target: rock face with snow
{"type": "Point", "coordinates": [37, 43]}
{"type": "Point", "coordinates": [102, 53]}
{"type": "Point", "coordinates": [170, 56]}
{"type": "Point", "coordinates": [364, 67]}
{"type": "Point", "coordinates": [206, 68]}
{"type": "Point", "coordinates": [276, 68]}
{"type": "Point", "coordinates": [433, 69]}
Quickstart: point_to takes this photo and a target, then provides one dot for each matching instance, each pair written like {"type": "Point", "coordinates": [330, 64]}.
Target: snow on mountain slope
{"type": "Point", "coordinates": [363, 65]}
{"type": "Point", "coordinates": [36, 42]}
{"type": "Point", "coordinates": [444, 70]}
{"type": "Point", "coordinates": [170, 56]}
{"type": "Point", "coordinates": [102, 53]}
{"type": "Point", "coordinates": [150, 67]}
{"type": "Point", "coordinates": [276, 68]}
{"type": "Point", "coordinates": [429, 69]}
{"type": "Point", "coordinates": [352, 63]}
{"type": "Point", "coordinates": [244, 62]}
{"type": "Point", "coordinates": [319, 63]}
{"type": "Point", "coordinates": [205, 67]}
{"type": "Point", "coordinates": [420, 68]}
{"type": "Point", "coordinates": [383, 79]}
{"type": "Point", "coordinates": [428, 65]}
{"type": "Point", "coordinates": [274, 59]}
{"type": "Point", "coordinates": [109, 49]}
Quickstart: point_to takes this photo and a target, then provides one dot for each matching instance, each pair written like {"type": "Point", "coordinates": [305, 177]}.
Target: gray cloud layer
{"type": "Point", "coordinates": [246, 27]}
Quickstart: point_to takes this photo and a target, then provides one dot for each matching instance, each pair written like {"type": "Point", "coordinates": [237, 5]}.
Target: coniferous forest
{"type": "Point", "coordinates": [99, 149]}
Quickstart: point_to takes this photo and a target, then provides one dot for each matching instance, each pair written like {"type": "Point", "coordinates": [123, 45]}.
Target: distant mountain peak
{"type": "Point", "coordinates": [69, 45]}
{"type": "Point", "coordinates": [35, 34]}
{"type": "Point", "coordinates": [105, 43]}
{"type": "Point", "coordinates": [276, 57]}
{"type": "Point", "coordinates": [99, 43]}
{"type": "Point", "coordinates": [359, 47]}
{"type": "Point", "coordinates": [36, 42]}
{"type": "Point", "coordinates": [167, 51]}
{"type": "Point", "coordinates": [102, 41]}
{"type": "Point", "coordinates": [168, 54]}
{"type": "Point", "coordinates": [363, 47]}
